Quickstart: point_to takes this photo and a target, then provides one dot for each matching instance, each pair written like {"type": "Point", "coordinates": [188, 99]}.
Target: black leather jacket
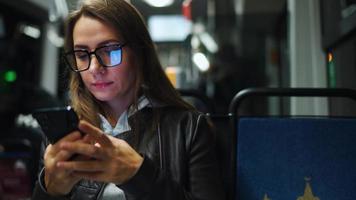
{"type": "Point", "coordinates": [179, 161]}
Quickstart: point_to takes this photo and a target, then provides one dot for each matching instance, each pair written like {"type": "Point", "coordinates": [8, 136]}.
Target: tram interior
{"type": "Point", "coordinates": [216, 49]}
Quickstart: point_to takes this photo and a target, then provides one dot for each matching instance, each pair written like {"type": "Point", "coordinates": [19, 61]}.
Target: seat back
{"type": "Point", "coordinates": [296, 158]}
{"type": "Point", "coordinates": [19, 161]}
{"type": "Point", "coordinates": [15, 169]}
{"type": "Point", "coordinates": [293, 157]}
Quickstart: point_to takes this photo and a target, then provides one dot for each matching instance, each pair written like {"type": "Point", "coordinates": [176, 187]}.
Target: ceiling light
{"type": "Point", "coordinates": [31, 31]}
{"type": "Point", "coordinates": [159, 3]}
{"type": "Point", "coordinates": [201, 61]}
{"type": "Point", "coordinates": [208, 42]}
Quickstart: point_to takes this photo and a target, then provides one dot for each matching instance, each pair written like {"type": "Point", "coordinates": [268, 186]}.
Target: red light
{"type": "Point", "coordinates": [187, 9]}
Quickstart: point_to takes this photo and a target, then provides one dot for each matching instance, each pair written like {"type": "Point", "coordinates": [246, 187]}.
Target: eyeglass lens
{"type": "Point", "coordinates": [108, 56]}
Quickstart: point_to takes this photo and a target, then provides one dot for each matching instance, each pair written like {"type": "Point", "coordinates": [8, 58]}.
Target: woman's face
{"type": "Point", "coordinates": [109, 84]}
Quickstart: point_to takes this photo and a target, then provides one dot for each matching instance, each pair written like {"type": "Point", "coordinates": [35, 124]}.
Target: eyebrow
{"type": "Point", "coordinates": [103, 43]}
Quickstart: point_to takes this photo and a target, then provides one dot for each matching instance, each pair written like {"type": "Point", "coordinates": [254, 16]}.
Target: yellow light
{"type": "Point", "coordinates": [330, 57]}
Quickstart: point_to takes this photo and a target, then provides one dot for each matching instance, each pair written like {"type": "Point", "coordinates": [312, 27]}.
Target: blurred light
{"type": "Point", "coordinates": [208, 42]}
{"type": "Point", "coordinates": [31, 31]}
{"type": "Point", "coordinates": [198, 28]}
{"type": "Point", "coordinates": [10, 76]}
{"type": "Point", "coordinates": [58, 10]}
{"type": "Point", "coordinates": [195, 42]}
{"type": "Point", "coordinates": [169, 27]}
{"type": "Point", "coordinates": [330, 57]}
{"type": "Point", "coordinates": [173, 73]}
{"type": "Point", "coordinates": [201, 61]}
{"type": "Point", "coordinates": [26, 121]}
{"type": "Point", "coordinates": [187, 9]}
{"type": "Point", "coordinates": [331, 70]}
{"type": "Point", "coordinates": [206, 39]}
{"type": "Point", "coordinates": [54, 38]}
{"type": "Point", "coordinates": [239, 7]}
{"type": "Point", "coordinates": [332, 74]}
{"type": "Point", "coordinates": [159, 3]}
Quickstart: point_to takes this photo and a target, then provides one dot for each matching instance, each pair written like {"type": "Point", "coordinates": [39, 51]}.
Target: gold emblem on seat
{"type": "Point", "coordinates": [266, 197]}
{"type": "Point", "coordinates": [308, 193]}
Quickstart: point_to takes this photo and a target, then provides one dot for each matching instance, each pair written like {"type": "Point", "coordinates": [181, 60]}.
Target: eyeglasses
{"type": "Point", "coordinates": [108, 56]}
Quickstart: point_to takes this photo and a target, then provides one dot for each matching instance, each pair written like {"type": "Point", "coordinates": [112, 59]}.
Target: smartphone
{"type": "Point", "coordinates": [56, 122]}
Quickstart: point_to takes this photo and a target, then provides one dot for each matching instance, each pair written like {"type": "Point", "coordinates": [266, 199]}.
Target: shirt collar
{"type": "Point", "coordinates": [122, 124]}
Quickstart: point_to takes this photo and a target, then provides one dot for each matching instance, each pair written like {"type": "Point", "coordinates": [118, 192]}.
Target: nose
{"type": "Point", "coordinates": [95, 66]}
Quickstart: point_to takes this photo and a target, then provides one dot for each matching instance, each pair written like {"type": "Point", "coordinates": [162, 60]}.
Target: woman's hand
{"type": "Point", "coordinates": [113, 161]}
{"type": "Point", "coordinates": [59, 181]}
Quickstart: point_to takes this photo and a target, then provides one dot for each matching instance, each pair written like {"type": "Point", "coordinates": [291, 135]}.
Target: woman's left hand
{"type": "Point", "coordinates": [114, 160]}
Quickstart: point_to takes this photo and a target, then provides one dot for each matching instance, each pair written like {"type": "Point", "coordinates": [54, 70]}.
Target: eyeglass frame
{"type": "Point", "coordinates": [90, 53]}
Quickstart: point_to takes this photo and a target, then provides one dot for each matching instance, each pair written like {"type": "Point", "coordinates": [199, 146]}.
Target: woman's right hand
{"type": "Point", "coordinates": [57, 180]}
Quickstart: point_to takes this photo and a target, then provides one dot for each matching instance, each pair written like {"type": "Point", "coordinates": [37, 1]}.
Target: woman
{"type": "Point", "coordinates": [142, 141]}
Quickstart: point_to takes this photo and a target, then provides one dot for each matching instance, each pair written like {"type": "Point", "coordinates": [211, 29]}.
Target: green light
{"type": "Point", "coordinates": [10, 76]}
{"type": "Point", "coordinates": [332, 74]}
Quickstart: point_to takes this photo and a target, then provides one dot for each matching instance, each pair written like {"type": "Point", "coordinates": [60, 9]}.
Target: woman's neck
{"type": "Point", "coordinates": [115, 109]}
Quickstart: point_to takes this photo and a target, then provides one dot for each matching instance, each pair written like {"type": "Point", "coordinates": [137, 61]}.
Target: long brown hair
{"type": "Point", "coordinates": [150, 77]}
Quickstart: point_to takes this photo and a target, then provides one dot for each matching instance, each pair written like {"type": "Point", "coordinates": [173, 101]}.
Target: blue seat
{"type": "Point", "coordinates": [279, 157]}
{"type": "Point", "coordinates": [297, 158]}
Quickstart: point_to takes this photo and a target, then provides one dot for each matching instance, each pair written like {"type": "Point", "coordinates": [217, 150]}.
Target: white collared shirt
{"type": "Point", "coordinates": [111, 191]}
{"type": "Point", "coordinates": [122, 124]}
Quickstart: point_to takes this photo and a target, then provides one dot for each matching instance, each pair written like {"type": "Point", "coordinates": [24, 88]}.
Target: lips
{"type": "Point", "coordinates": [101, 85]}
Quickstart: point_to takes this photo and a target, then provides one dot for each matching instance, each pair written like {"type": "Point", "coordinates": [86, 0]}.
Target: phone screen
{"type": "Point", "coordinates": [57, 122]}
